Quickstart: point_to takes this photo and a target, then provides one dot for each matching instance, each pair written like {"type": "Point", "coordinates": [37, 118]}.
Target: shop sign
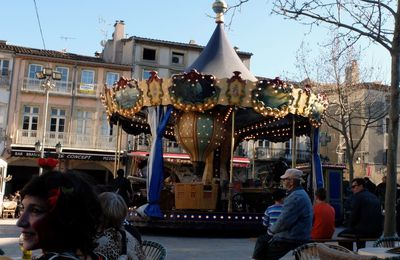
{"type": "Point", "coordinates": [67, 156]}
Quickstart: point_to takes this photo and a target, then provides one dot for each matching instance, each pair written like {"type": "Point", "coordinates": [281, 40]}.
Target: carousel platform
{"type": "Point", "coordinates": [198, 222]}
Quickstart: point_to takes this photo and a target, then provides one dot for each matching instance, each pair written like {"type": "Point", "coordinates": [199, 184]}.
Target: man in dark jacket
{"type": "Point", "coordinates": [366, 217]}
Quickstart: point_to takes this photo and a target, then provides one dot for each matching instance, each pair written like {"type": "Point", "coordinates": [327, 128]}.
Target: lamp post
{"type": "Point", "coordinates": [48, 75]}
{"type": "Point", "coordinates": [59, 151]}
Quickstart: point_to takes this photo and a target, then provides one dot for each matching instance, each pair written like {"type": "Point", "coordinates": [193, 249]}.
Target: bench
{"type": "Point", "coordinates": [345, 241]}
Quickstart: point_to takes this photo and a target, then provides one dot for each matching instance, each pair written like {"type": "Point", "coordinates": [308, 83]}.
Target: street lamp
{"type": "Point", "coordinates": [58, 148]}
{"type": "Point", "coordinates": [48, 75]}
{"type": "Point", "coordinates": [58, 152]}
{"type": "Point", "coordinates": [38, 147]}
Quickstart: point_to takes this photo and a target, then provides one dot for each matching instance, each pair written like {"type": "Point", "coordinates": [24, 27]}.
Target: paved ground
{"type": "Point", "coordinates": [178, 247]}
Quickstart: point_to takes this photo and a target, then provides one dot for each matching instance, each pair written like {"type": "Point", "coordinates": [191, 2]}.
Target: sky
{"type": "Point", "coordinates": [80, 26]}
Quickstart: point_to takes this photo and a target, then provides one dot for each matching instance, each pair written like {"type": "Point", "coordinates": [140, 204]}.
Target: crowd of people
{"type": "Point", "coordinates": [292, 220]}
{"type": "Point", "coordinates": [67, 217]}
{"type": "Point", "coordinates": [64, 216]}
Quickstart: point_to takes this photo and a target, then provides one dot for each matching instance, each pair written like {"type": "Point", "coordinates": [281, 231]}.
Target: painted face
{"type": "Point", "coordinates": [35, 223]}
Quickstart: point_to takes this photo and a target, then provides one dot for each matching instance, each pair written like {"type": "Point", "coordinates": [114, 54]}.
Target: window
{"type": "Point", "coordinates": [149, 54]}
{"type": "Point", "coordinates": [33, 68]}
{"type": "Point", "coordinates": [111, 78]}
{"type": "Point", "coordinates": [63, 83]}
{"type": "Point", "coordinates": [4, 67]}
{"type": "Point", "coordinates": [263, 143]}
{"type": "Point", "coordinates": [87, 77]}
{"type": "Point", "coordinates": [87, 82]}
{"type": "Point", "coordinates": [177, 58]}
{"type": "Point", "coordinates": [288, 147]}
{"type": "Point", "coordinates": [106, 128]}
{"type": "Point", "coordinates": [30, 118]}
{"type": "Point", "coordinates": [143, 140]}
{"type": "Point", "coordinates": [387, 124]}
{"type": "Point", "coordinates": [57, 120]}
{"type": "Point", "coordinates": [146, 73]}
{"type": "Point", "coordinates": [3, 109]}
{"type": "Point", "coordinates": [84, 122]}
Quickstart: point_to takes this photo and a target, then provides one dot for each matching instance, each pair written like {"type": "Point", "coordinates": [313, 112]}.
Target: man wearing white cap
{"type": "Point", "coordinates": [293, 227]}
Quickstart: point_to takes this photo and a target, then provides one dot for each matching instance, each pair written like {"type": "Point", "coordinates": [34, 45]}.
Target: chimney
{"type": "Point", "coordinates": [352, 73]}
{"type": "Point", "coordinates": [119, 30]}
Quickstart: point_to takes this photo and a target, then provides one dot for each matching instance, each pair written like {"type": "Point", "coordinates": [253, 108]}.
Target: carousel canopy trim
{"type": "Point", "coordinates": [197, 92]}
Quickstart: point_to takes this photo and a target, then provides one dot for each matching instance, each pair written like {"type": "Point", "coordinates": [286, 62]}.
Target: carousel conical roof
{"type": "Point", "coordinates": [219, 58]}
{"type": "Point", "coordinates": [219, 82]}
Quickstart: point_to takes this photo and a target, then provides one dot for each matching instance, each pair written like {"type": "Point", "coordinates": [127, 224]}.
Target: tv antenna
{"type": "Point", "coordinates": [103, 27]}
{"type": "Point", "coordinates": [66, 39]}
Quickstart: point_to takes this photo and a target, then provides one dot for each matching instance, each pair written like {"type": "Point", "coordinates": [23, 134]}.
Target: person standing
{"type": "Point", "coordinates": [381, 191]}
{"type": "Point", "coordinates": [324, 217]}
{"type": "Point", "coordinates": [293, 226]}
{"type": "Point", "coordinates": [366, 217]}
{"type": "Point", "coordinates": [369, 185]}
{"type": "Point", "coordinates": [271, 215]}
{"type": "Point", "coordinates": [122, 186]}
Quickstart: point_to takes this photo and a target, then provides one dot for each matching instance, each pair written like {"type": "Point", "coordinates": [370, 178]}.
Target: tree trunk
{"type": "Point", "coordinates": [391, 181]}
{"type": "Point", "coordinates": [349, 158]}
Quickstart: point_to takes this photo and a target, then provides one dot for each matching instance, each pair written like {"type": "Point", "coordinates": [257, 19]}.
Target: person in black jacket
{"type": "Point", "coordinates": [122, 186]}
{"type": "Point", "coordinates": [366, 217]}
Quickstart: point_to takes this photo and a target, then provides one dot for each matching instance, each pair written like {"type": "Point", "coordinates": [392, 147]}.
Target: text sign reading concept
{"type": "Point", "coordinates": [67, 156]}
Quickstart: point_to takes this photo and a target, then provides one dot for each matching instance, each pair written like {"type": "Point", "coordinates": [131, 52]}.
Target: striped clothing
{"type": "Point", "coordinates": [271, 214]}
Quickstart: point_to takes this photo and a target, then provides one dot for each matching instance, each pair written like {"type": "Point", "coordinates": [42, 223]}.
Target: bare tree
{"type": "Point", "coordinates": [356, 105]}
{"type": "Point", "coordinates": [379, 22]}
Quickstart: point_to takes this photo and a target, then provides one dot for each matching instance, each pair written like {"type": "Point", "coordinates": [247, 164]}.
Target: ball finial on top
{"type": "Point", "coordinates": [219, 7]}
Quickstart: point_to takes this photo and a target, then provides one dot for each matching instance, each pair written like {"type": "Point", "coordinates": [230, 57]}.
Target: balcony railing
{"type": "Point", "coordinates": [264, 153]}
{"type": "Point", "coordinates": [5, 82]}
{"type": "Point", "coordinates": [29, 137]}
{"type": "Point", "coordinates": [35, 85]}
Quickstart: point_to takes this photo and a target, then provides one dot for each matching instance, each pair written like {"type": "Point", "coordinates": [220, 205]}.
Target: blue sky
{"type": "Point", "coordinates": [79, 26]}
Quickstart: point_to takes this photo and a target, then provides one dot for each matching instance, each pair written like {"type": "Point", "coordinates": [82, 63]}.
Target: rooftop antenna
{"type": "Point", "coordinates": [65, 38]}
{"type": "Point", "coordinates": [103, 29]}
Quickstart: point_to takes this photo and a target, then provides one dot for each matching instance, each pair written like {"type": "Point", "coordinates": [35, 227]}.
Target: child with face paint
{"type": "Point", "coordinates": [60, 216]}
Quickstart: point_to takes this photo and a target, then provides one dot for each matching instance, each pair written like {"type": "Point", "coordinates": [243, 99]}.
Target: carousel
{"type": "Point", "coordinates": [209, 109]}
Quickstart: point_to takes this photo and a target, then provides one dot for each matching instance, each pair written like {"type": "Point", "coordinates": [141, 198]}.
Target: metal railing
{"type": "Point", "coordinates": [264, 153]}
{"type": "Point", "coordinates": [5, 82]}
{"type": "Point", "coordinates": [61, 87]}
{"type": "Point", "coordinates": [29, 137]}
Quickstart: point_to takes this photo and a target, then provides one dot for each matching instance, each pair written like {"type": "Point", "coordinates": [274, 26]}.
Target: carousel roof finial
{"type": "Point", "coordinates": [219, 7]}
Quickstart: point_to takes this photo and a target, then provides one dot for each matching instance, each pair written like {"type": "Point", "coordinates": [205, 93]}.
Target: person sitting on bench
{"type": "Point", "coordinates": [366, 215]}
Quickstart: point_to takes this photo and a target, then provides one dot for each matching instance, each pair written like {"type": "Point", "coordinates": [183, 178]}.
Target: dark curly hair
{"type": "Point", "coordinates": [74, 206]}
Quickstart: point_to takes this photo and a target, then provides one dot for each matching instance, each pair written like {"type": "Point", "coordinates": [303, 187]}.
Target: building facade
{"type": "Point", "coordinates": [76, 118]}
{"type": "Point", "coordinates": [168, 58]}
{"type": "Point", "coordinates": [365, 98]}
